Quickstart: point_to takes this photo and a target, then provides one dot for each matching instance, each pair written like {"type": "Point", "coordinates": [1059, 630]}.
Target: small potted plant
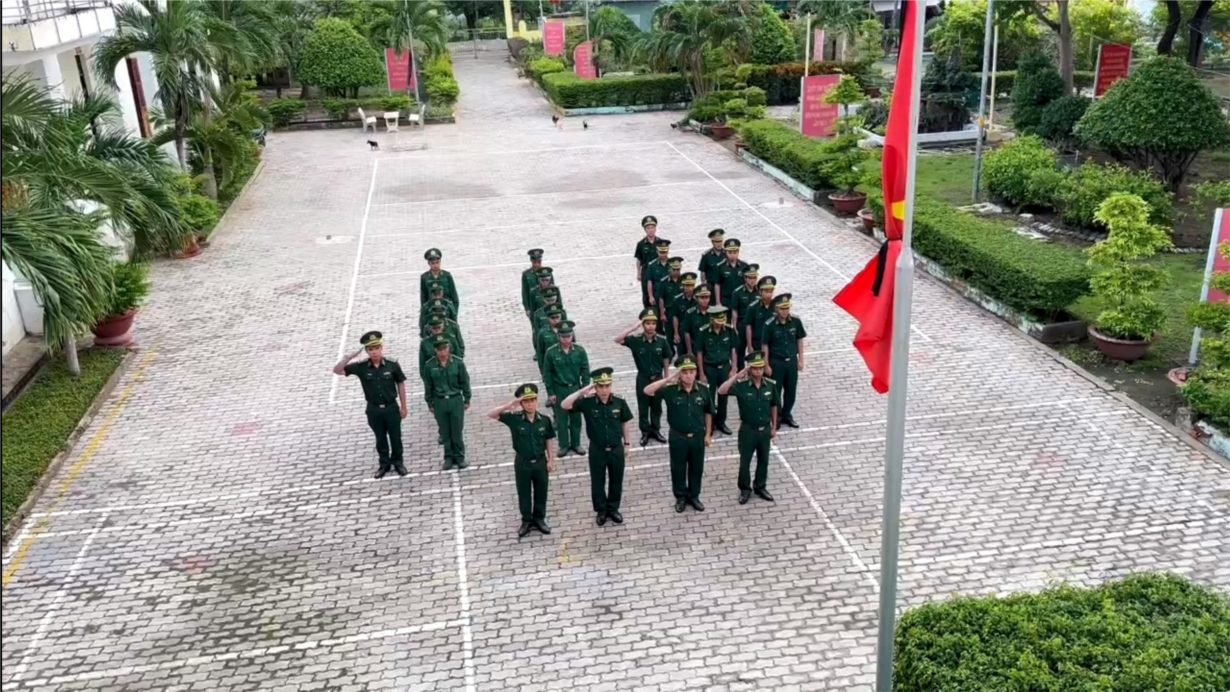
{"type": "Point", "coordinates": [1124, 281]}
{"type": "Point", "coordinates": [201, 215]}
{"type": "Point", "coordinates": [845, 170]}
{"type": "Point", "coordinates": [734, 109]}
{"type": "Point", "coordinates": [129, 288]}
{"type": "Point", "coordinates": [845, 94]}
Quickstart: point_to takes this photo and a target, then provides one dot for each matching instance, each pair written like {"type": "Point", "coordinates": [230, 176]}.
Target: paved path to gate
{"type": "Point", "coordinates": [217, 528]}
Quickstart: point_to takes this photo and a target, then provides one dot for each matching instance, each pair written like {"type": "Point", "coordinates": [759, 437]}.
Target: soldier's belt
{"type": "Point", "coordinates": [685, 435]}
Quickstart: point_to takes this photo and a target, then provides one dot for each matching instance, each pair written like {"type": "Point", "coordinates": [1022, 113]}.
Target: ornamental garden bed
{"type": "Point", "coordinates": [572, 96]}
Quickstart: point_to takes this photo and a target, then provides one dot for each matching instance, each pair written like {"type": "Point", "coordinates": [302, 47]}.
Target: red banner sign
{"type": "Point", "coordinates": [1220, 264]}
{"type": "Point", "coordinates": [583, 56]}
{"type": "Point", "coordinates": [553, 38]}
{"type": "Point", "coordinates": [399, 67]}
{"type": "Point", "coordinates": [1114, 61]}
{"type": "Point", "coordinates": [819, 117]}
{"type": "Point", "coordinates": [817, 46]}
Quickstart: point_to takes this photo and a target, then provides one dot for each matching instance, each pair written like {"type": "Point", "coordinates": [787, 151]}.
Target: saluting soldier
{"type": "Point", "coordinates": [729, 274]}
{"type": "Point", "coordinates": [689, 410]}
{"type": "Point", "coordinates": [549, 335]}
{"type": "Point", "coordinates": [606, 424]}
{"type": "Point", "coordinates": [532, 435]}
{"type": "Point", "coordinates": [384, 388]}
{"type": "Point", "coordinates": [427, 348]}
{"type": "Point", "coordinates": [652, 354]}
{"type": "Point", "coordinates": [782, 341]}
{"type": "Point", "coordinates": [696, 317]}
{"type": "Point", "coordinates": [757, 396]}
{"type": "Point", "coordinates": [435, 273]}
{"type": "Point", "coordinates": [658, 270]}
{"type": "Point", "coordinates": [451, 329]}
{"type": "Point", "coordinates": [744, 297]}
{"type": "Point", "coordinates": [677, 310]}
{"type": "Point", "coordinates": [437, 299]}
{"type": "Point", "coordinates": [529, 280]}
{"type": "Point", "coordinates": [645, 253]}
{"type": "Point", "coordinates": [446, 388]}
{"type": "Point", "coordinates": [565, 371]}
{"type": "Point", "coordinates": [715, 354]}
{"type": "Point", "coordinates": [758, 313]}
{"type": "Point", "coordinates": [713, 257]}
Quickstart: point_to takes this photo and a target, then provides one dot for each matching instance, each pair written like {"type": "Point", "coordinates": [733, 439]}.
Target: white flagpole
{"type": "Point", "coordinates": [1209, 261]}
{"type": "Point", "coordinates": [894, 452]}
{"type": "Point", "coordinates": [806, 71]}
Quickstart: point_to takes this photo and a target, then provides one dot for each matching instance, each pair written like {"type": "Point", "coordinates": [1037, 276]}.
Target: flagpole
{"type": "Point", "coordinates": [988, 40]}
{"type": "Point", "coordinates": [806, 71]}
{"type": "Point", "coordinates": [894, 452]}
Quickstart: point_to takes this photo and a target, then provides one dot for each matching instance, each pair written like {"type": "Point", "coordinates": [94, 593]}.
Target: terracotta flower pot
{"type": "Point", "coordinates": [1126, 350]}
{"type": "Point", "coordinates": [192, 249]}
{"type": "Point", "coordinates": [869, 220]}
{"type": "Point", "coordinates": [115, 330]}
{"type": "Point", "coordinates": [847, 202]}
{"type": "Point", "coordinates": [722, 131]}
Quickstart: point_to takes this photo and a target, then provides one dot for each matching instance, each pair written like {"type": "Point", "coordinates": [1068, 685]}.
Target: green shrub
{"type": "Point", "coordinates": [1017, 173]}
{"type": "Point", "coordinates": [337, 58]}
{"type": "Point", "coordinates": [536, 69]}
{"type": "Point", "coordinates": [439, 110]}
{"type": "Point", "coordinates": [781, 83]}
{"type": "Point", "coordinates": [1005, 80]}
{"type": "Point", "coordinates": [200, 212]}
{"type": "Point", "coordinates": [129, 287]}
{"type": "Point", "coordinates": [443, 90]}
{"type": "Point", "coordinates": [772, 40]}
{"type": "Point", "coordinates": [395, 102]}
{"type": "Point", "coordinates": [337, 109]}
{"type": "Point", "coordinates": [1059, 119]}
{"type": "Point", "coordinates": [1122, 279]}
{"type": "Point", "coordinates": [874, 113]}
{"type": "Point", "coordinates": [1037, 84]}
{"type": "Point", "coordinates": [1208, 388]}
{"type": "Point", "coordinates": [285, 111]}
{"type": "Point", "coordinates": [755, 96]}
{"type": "Point", "coordinates": [802, 158]}
{"type": "Point", "coordinates": [567, 90]}
{"type": "Point", "coordinates": [1090, 184]}
{"type": "Point", "coordinates": [1207, 391]}
{"type": "Point", "coordinates": [1148, 632]}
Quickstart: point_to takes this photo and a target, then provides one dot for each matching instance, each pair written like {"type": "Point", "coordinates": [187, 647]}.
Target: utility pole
{"type": "Point", "coordinates": [988, 40]}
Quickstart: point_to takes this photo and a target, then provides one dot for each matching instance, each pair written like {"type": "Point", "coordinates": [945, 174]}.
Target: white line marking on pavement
{"type": "Point", "coordinates": [258, 652]}
{"type": "Point", "coordinates": [56, 601]}
{"type": "Point", "coordinates": [354, 279]}
{"type": "Point", "coordinates": [450, 200]}
{"type": "Point", "coordinates": [932, 416]}
{"type": "Point", "coordinates": [649, 146]}
{"type": "Point", "coordinates": [539, 224]}
{"type": "Point", "coordinates": [463, 585]}
{"type": "Point", "coordinates": [774, 224]}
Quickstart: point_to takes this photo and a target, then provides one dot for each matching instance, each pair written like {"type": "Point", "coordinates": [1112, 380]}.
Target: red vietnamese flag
{"type": "Point", "coordinates": [869, 296]}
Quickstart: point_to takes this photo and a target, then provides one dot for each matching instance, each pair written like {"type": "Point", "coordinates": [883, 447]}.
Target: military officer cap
{"type": "Point", "coordinates": [603, 375]}
{"type": "Point", "coordinates": [544, 272]}
{"type": "Point", "coordinates": [536, 253]}
{"type": "Point", "coordinates": [782, 301]}
{"type": "Point", "coordinates": [663, 245]}
{"type": "Point", "coordinates": [372, 338]}
{"type": "Point", "coordinates": [550, 292]}
{"type": "Point", "coordinates": [649, 221]}
{"type": "Point", "coordinates": [438, 309]}
{"type": "Point", "coordinates": [675, 262]}
{"type": "Point", "coordinates": [649, 315]}
{"type": "Point", "coordinates": [717, 234]}
{"type": "Point", "coordinates": [733, 244]}
{"type": "Point", "coordinates": [686, 362]}
{"type": "Point", "coordinates": [769, 282]}
{"type": "Point", "coordinates": [753, 270]}
{"type": "Point", "coordinates": [717, 313]}
{"type": "Point", "coordinates": [439, 341]}
{"type": "Point", "coordinates": [688, 279]}
{"type": "Point", "coordinates": [529, 390]}
{"type": "Point", "coordinates": [756, 360]}
{"type": "Point", "coordinates": [566, 327]}
{"type": "Point", "coordinates": [554, 311]}
{"type": "Point", "coordinates": [704, 291]}
{"type": "Point", "coordinates": [435, 287]}
{"type": "Point", "coordinates": [436, 320]}
{"type": "Point", "coordinates": [432, 255]}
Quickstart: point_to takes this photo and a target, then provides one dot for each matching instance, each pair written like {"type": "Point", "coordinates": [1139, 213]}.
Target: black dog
{"type": "Point", "coordinates": [375, 146]}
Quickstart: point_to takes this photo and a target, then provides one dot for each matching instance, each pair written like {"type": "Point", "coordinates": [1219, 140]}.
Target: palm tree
{"type": "Point", "coordinates": [424, 21]}
{"type": "Point", "coordinates": [294, 21]}
{"type": "Point", "coordinates": [249, 32]}
{"type": "Point", "coordinates": [223, 138]}
{"type": "Point", "coordinates": [686, 31]}
{"type": "Point", "coordinates": [613, 35]}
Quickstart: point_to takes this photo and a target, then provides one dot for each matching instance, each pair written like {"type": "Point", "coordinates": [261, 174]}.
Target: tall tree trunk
{"type": "Point", "coordinates": [70, 354]}
{"type": "Point", "coordinates": [304, 93]}
{"type": "Point", "coordinates": [1174, 18]}
{"type": "Point", "coordinates": [1195, 35]}
{"type": "Point", "coordinates": [179, 142]}
{"type": "Point", "coordinates": [1065, 48]}
{"type": "Point", "coordinates": [207, 155]}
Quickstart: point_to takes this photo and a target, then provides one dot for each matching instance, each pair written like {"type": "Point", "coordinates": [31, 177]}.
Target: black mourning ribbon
{"type": "Point", "coordinates": [881, 262]}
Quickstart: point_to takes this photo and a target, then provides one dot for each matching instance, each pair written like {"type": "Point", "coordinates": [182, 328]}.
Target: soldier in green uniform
{"type": "Point", "coordinates": [677, 310]}
{"type": "Point", "coordinates": [451, 329]}
{"type": "Point", "coordinates": [549, 336]}
{"type": "Point", "coordinates": [645, 253]}
{"type": "Point", "coordinates": [689, 409]}
{"type": "Point", "coordinates": [782, 342]}
{"type": "Point", "coordinates": [606, 423]}
{"type": "Point", "coordinates": [532, 435]}
{"type": "Point", "coordinates": [427, 349]}
{"type": "Point", "coordinates": [712, 257]}
{"type": "Point", "coordinates": [529, 280]}
{"type": "Point", "coordinates": [658, 270]}
{"type": "Point", "coordinates": [652, 354]}
{"type": "Point", "coordinates": [446, 388]}
{"type": "Point", "coordinates": [550, 297]}
{"type": "Point", "coordinates": [729, 274]}
{"type": "Point", "coordinates": [435, 273]}
{"type": "Point", "coordinates": [545, 278]}
{"type": "Point", "coordinates": [384, 388]}
{"type": "Point", "coordinates": [757, 396]}
{"type": "Point", "coordinates": [745, 296]}
{"type": "Point", "coordinates": [696, 317]}
{"type": "Point", "coordinates": [758, 313]}
{"type": "Point", "coordinates": [565, 371]}
{"type": "Point", "coordinates": [668, 288]}
{"type": "Point", "coordinates": [437, 300]}
{"type": "Point", "coordinates": [714, 356]}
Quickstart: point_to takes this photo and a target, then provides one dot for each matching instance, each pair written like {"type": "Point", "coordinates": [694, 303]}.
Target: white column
{"type": "Point", "coordinates": [53, 75]}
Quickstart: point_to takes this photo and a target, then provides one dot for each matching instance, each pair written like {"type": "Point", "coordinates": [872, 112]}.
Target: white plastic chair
{"type": "Point", "coordinates": [390, 121]}
{"type": "Point", "coordinates": [368, 120]}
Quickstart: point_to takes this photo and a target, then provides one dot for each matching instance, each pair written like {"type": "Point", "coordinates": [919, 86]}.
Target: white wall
{"type": "Point", "coordinates": [13, 328]}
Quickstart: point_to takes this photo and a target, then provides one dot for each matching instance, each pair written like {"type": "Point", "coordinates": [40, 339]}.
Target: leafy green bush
{"type": "Point", "coordinates": [755, 96]}
{"type": "Point", "coordinates": [1123, 281]}
{"type": "Point", "coordinates": [1009, 173]}
{"type": "Point", "coordinates": [1005, 80]}
{"type": "Point", "coordinates": [1059, 119]}
{"type": "Point", "coordinates": [1148, 632]}
{"type": "Point", "coordinates": [129, 287]}
{"type": "Point", "coordinates": [1090, 184]}
{"type": "Point", "coordinates": [200, 212]}
{"type": "Point", "coordinates": [439, 111]}
{"type": "Point", "coordinates": [802, 158]}
{"type": "Point", "coordinates": [772, 40]}
{"type": "Point", "coordinates": [337, 109]}
{"type": "Point", "coordinates": [874, 113]}
{"type": "Point", "coordinates": [395, 102]}
{"type": "Point", "coordinates": [570, 91]}
{"type": "Point", "coordinates": [781, 83]}
{"type": "Point", "coordinates": [536, 69]}
{"type": "Point", "coordinates": [1208, 388]}
{"type": "Point", "coordinates": [337, 58]}
{"type": "Point", "coordinates": [1037, 84]}
{"type": "Point", "coordinates": [443, 90]}
{"type": "Point", "coordinates": [285, 111]}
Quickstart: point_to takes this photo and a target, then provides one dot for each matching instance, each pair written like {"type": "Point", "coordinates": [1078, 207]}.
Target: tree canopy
{"type": "Point", "coordinates": [337, 58]}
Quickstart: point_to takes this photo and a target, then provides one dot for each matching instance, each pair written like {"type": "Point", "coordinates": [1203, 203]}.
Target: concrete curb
{"type": "Point", "coordinates": [66, 451]}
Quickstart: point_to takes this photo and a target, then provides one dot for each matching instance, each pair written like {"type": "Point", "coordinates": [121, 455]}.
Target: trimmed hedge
{"type": "Point", "coordinates": [1005, 80]}
{"type": "Point", "coordinates": [1149, 632]}
{"type": "Point", "coordinates": [799, 157]}
{"type": "Point", "coordinates": [567, 90]}
{"type": "Point", "coordinates": [541, 67]}
{"type": "Point", "coordinates": [287, 111]}
{"type": "Point", "coordinates": [781, 82]}
{"type": "Point", "coordinates": [1038, 279]}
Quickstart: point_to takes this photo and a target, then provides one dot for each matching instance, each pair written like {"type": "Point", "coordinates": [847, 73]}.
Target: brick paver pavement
{"type": "Point", "coordinates": [218, 528]}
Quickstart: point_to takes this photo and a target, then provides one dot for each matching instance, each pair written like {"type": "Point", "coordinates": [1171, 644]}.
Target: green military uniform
{"type": "Point", "coordinates": [716, 343]}
{"type": "Point", "coordinates": [695, 318]}
{"type": "Point", "coordinates": [443, 278]}
{"type": "Point", "coordinates": [677, 310]}
{"type": "Point", "coordinates": [730, 276]}
{"type": "Point", "coordinates": [529, 281]}
{"type": "Point", "coordinates": [686, 411]}
{"type": "Point", "coordinates": [446, 388]}
{"type": "Point", "coordinates": [646, 252]}
{"type": "Point", "coordinates": [548, 336]}
{"type": "Point", "coordinates": [540, 320]}
{"type": "Point", "coordinates": [781, 339]}
{"type": "Point", "coordinates": [658, 270]}
{"type": "Point", "coordinates": [744, 296]}
{"type": "Point", "coordinates": [530, 439]}
{"type": "Point", "coordinates": [383, 411]}
{"type": "Point", "coordinates": [758, 313]}
{"type": "Point", "coordinates": [563, 373]}
{"type": "Point", "coordinates": [453, 331]}
{"type": "Point", "coordinates": [604, 424]}
{"type": "Point", "coordinates": [650, 357]}
{"type": "Point", "coordinates": [666, 291]}
{"type": "Point", "coordinates": [427, 349]}
{"type": "Point", "coordinates": [756, 407]}
{"type": "Point", "coordinates": [710, 260]}
{"type": "Point", "coordinates": [546, 279]}
{"type": "Point", "coordinates": [425, 312]}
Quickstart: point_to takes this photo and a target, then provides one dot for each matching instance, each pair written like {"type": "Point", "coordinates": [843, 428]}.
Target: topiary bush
{"type": "Point", "coordinates": [874, 113]}
{"type": "Point", "coordinates": [286, 111]}
{"type": "Point", "coordinates": [1122, 279]}
{"type": "Point", "coordinates": [338, 59]}
{"type": "Point", "coordinates": [567, 90]}
{"type": "Point", "coordinates": [1160, 117]}
{"type": "Point", "coordinates": [537, 69]}
{"type": "Point", "coordinates": [1089, 185]}
{"type": "Point", "coordinates": [947, 91]}
{"type": "Point", "coordinates": [1059, 119]}
{"type": "Point", "coordinates": [1038, 83]}
{"type": "Point", "coordinates": [772, 40]}
{"type": "Point", "coordinates": [1147, 632]}
{"type": "Point", "coordinates": [781, 82]}
{"type": "Point", "coordinates": [1021, 172]}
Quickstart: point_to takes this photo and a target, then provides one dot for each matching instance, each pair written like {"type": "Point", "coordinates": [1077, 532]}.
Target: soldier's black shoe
{"type": "Point", "coordinates": [579, 451]}
{"type": "Point", "coordinates": [764, 495]}
{"type": "Point", "coordinates": [463, 464]}
{"type": "Point", "coordinates": [615, 516]}
{"type": "Point", "coordinates": [382, 472]}
{"type": "Point", "coordinates": [723, 428]}
{"type": "Point", "coordinates": [657, 435]}
{"type": "Point", "coordinates": [524, 530]}
{"type": "Point", "coordinates": [744, 496]}
{"type": "Point", "coordinates": [601, 519]}
{"type": "Point", "coordinates": [542, 526]}
{"type": "Point", "coordinates": [564, 452]}
{"type": "Point", "coordinates": [400, 468]}
{"type": "Point", "coordinates": [644, 439]}
{"type": "Point", "coordinates": [789, 420]}
{"type": "Point", "coordinates": [679, 505]}
{"type": "Point", "coordinates": [697, 505]}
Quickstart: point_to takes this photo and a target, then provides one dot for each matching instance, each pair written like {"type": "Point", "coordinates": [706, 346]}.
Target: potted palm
{"type": "Point", "coordinates": [129, 288]}
{"type": "Point", "coordinates": [1123, 279]}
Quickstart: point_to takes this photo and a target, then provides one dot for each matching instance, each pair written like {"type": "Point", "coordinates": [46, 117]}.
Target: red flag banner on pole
{"type": "Point", "coordinates": [869, 296]}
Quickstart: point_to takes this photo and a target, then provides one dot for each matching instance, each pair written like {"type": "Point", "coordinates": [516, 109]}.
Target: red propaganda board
{"type": "Point", "coordinates": [1220, 264]}
{"type": "Point", "coordinates": [583, 56]}
{"type": "Point", "coordinates": [398, 65]}
{"type": "Point", "coordinates": [553, 38]}
{"type": "Point", "coordinates": [1113, 64]}
{"type": "Point", "coordinates": [818, 116]}
{"type": "Point", "coordinates": [817, 45]}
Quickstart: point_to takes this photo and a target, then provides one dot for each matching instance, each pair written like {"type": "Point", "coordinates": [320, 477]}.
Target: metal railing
{"type": "Point", "coordinates": [27, 11]}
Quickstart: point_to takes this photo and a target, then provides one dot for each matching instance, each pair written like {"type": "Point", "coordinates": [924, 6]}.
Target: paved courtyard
{"type": "Point", "coordinates": [217, 527]}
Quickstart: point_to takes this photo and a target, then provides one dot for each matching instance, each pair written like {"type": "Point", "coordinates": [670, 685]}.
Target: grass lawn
{"type": "Point", "coordinates": [948, 177]}
{"type": "Point", "coordinates": [38, 424]}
